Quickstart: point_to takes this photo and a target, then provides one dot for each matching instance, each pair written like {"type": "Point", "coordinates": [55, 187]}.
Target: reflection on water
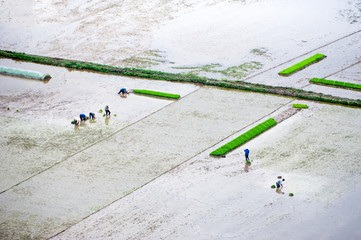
{"type": "Point", "coordinates": [107, 120]}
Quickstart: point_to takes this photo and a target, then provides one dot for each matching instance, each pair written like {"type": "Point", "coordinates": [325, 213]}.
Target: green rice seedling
{"type": "Point", "coordinates": [17, 110]}
{"type": "Point", "coordinates": [290, 194]}
{"type": "Point", "coordinates": [115, 115]}
{"type": "Point", "coordinates": [297, 105]}
{"type": "Point", "coordinates": [273, 186]}
{"type": "Point", "coordinates": [100, 110]}
{"type": "Point", "coordinates": [301, 65]}
{"type": "Point", "coordinates": [8, 109]}
{"type": "Point", "coordinates": [333, 83]}
{"type": "Point", "coordinates": [244, 137]}
{"type": "Point", "coordinates": [158, 94]}
{"type": "Point", "coordinates": [104, 115]}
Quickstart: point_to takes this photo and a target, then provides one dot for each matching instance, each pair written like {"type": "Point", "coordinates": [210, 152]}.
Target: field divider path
{"type": "Point", "coordinates": [91, 145]}
{"type": "Point", "coordinates": [179, 164]}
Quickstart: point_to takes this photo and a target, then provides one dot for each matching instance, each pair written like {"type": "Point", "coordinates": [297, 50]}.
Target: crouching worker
{"type": "Point", "coordinates": [279, 183]}
{"type": "Point", "coordinates": [91, 116]}
{"type": "Point", "coordinates": [123, 91]}
{"type": "Point", "coordinates": [75, 122]}
{"type": "Point", "coordinates": [82, 117]}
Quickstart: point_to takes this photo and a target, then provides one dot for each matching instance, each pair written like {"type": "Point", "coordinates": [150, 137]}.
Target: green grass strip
{"type": "Point", "coordinates": [297, 105]}
{"type": "Point", "coordinates": [244, 137]}
{"type": "Point", "coordinates": [158, 94]}
{"type": "Point", "coordinates": [301, 65]}
{"type": "Point", "coordinates": [189, 78]}
{"type": "Point", "coordinates": [23, 73]}
{"type": "Point", "coordinates": [333, 83]}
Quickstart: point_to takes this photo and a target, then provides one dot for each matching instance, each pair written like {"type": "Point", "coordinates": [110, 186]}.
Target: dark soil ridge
{"type": "Point", "coordinates": [157, 75]}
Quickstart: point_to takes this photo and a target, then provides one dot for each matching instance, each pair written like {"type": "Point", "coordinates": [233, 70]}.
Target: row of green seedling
{"type": "Point", "coordinates": [158, 94]}
{"type": "Point", "coordinates": [301, 65]}
{"type": "Point", "coordinates": [298, 105]}
{"type": "Point", "coordinates": [332, 83]}
{"type": "Point", "coordinates": [244, 137]}
{"type": "Point", "coordinates": [23, 73]}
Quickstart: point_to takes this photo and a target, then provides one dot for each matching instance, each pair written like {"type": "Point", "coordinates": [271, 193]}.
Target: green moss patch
{"type": "Point", "coordinates": [332, 83]}
{"type": "Point", "coordinates": [244, 137]}
{"type": "Point", "coordinates": [297, 105]}
{"type": "Point", "coordinates": [301, 65]}
{"type": "Point", "coordinates": [158, 94]}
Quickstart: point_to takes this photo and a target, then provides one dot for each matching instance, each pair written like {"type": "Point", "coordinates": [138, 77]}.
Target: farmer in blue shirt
{"type": "Point", "coordinates": [122, 91]}
{"type": "Point", "coordinates": [246, 153]}
{"type": "Point", "coordinates": [82, 117]}
{"type": "Point", "coordinates": [279, 183]}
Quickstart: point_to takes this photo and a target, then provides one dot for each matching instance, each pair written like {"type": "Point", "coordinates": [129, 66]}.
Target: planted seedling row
{"type": "Point", "coordinates": [333, 83]}
{"type": "Point", "coordinates": [244, 137]}
{"type": "Point", "coordinates": [301, 65]}
{"type": "Point", "coordinates": [158, 94]}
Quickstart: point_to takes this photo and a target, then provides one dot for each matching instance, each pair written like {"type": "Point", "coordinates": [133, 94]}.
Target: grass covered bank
{"type": "Point", "coordinates": [143, 73]}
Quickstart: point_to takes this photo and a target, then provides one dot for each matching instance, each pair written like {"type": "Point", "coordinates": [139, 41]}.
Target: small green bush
{"type": "Point", "coordinates": [299, 66]}
{"type": "Point", "coordinates": [273, 186]}
{"type": "Point", "coordinates": [335, 83]}
{"type": "Point", "coordinates": [297, 105]}
{"type": "Point", "coordinates": [158, 94]}
{"type": "Point", "coordinates": [290, 194]}
{"type": "Point", "coordinates": [244, 137]}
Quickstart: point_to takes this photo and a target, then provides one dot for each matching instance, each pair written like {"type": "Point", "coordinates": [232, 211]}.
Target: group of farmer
{"type": "Point", "coordinates": [83, 117]}
{"type": "Point", "coordinates": [280, 180]}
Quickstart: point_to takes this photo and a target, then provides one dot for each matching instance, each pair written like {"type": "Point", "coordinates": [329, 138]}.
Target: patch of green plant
{"type": "Point", "coordinates": [259, 51]}
{"type": "Point", "coordinates": [333, 83]}
{"type": "Point", "coordinates": [297, 105]}
{"type": "Point", "coordinates": [273, 186]}
{"type": "Point", "coordinates": [301, 65]}
{"type": "Point", "coordinates": [290, 194]}
{"type": "Point", "coordinates": [158, 94]}
{"type": "Point", "coordinates": [242, 70]}
{"type": "Point", "coordinates": [244, 137]}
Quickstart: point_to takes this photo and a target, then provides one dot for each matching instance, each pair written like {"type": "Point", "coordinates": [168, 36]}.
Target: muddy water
{"type": "Point", "coordinates": [40, 134]}
{"type": "Point", "coordinates": [216, 199]}
{"type": "Point", "coordinates": [133, 156]}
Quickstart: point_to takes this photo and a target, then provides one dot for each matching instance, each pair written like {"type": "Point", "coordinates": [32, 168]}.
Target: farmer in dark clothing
{"type": "Point", "coordinates": [107, 112]}
{"type": "Point", "coordinates": [82, 117]}
{"type": "Point", "coordinates": [246, 154]}
{"type": "Point", "coordinates": [91, 116]}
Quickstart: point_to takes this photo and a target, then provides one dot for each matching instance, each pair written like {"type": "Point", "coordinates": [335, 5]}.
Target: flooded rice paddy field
{"type": "Point", "coordinates": [217, 198]}
{"type": "Point", "coordinates": [55, 175]}
{"type": "Point", "coordinates": [146, 173]}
